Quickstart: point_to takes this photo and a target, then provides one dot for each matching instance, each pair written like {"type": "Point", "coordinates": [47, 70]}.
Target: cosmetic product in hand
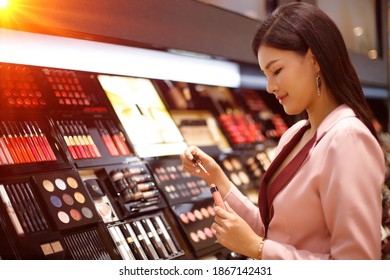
{"type": "Point", "coordinates": [217, 196]}
{"type": "Point", "coordinates": [196, 160]}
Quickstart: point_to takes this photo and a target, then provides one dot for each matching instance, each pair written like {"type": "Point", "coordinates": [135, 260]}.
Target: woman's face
{"type": "Point", "coordinates": [290, 77]}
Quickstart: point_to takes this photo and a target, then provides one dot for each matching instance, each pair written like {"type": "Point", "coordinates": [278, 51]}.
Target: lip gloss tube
{"type": "Point", "coordinates": [84, 139]}
{"type": "Point", "coordinates": [14, 146]}
{"type": "Point", "coordinates": [37, 144]}
{"type": "Point", "coordinates": [28, 154]}
{"type": "Point", "coordinates": [217, 196]}
{"type": "Point", "coordinates": [44, 141]}
{"type": "Point", "coordinates": [84, 128]}
{"type": "Point", "coordinates": [107, 139]}
{"type": "Point", "coordinates": [29, 143]}
{"type": "Point", "coordinates": [11, 212]}
{"type": "Point", "coordinates": [72, 142]}
{"type": "Point", "coordinates": [84, 152]}
{"type": "Point", "coordinates": [4, 146]}
{"type": "Point", "coordinates": [118, 139]}
{"type": "Point", "coordinates": [67, 141]}
{"type": "Point", "coordinates": [3, 159]}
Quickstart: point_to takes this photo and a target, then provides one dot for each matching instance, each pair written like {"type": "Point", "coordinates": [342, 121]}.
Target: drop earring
{"type": "Point", "coordinates": [318, 83]}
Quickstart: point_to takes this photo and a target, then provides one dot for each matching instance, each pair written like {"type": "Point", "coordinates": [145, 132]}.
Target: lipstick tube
{"type": "Point", "coordinates": [84, 129]}
{"type": "Point", "coordinates": [217, 196]}
{"type": "Point", "coordinates": [155, 239]}
{"type": "Point", "coordinates": [136, 242]}
{"type": "Point", "coordinates": [144, 240]}
{"type": "Point", "coordinates": [107, 139]}
{"type": "Point", "coordinates": [169, 243]}
{"type": "Point", "coordinates": [131, 243]}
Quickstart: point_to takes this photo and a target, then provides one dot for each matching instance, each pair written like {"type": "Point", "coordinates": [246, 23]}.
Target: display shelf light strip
{"type": "Point", "coordinates": [67, 53]}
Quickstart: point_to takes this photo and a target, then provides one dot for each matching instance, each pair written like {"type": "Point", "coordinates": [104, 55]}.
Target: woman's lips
{"type": "Point", "coordinates": [281, 98]}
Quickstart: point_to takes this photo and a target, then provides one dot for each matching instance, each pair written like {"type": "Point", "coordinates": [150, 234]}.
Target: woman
{"type": "Point", "coordinates": [321, 196]}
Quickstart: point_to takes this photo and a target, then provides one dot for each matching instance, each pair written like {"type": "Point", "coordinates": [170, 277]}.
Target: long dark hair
{"type": "Point", "coordinates": [299, 26]}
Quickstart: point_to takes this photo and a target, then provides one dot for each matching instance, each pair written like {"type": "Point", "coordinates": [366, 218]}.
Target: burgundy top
{"type": "Point", "coordinates": [269, 191]}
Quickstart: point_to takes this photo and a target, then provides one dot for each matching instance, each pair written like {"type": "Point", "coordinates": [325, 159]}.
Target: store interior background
{"type": "Point", "coordinates": [134, 201]}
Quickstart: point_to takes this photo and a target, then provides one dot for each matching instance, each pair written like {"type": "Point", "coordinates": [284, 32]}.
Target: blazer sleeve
{"type": "Point", "coordinates": [350, 190]}
{"type": "Point", "coordinates": [245, 209]}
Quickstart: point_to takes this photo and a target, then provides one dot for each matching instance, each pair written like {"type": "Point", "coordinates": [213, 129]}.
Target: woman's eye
{"type": "Point", "coordinates": [277, 71]}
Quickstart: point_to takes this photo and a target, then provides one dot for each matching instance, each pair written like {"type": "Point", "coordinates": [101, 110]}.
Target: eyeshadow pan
{"type": "Point", "coordinates": [204, 212]}
{"type": "Point", "coordinates": [72, 182]}
{"type": "Point", "coordinates": [75, 214]}
{"type": "Point", "coordinates": [48, 185]}
{"type": "Point", "coordinates": [60, 184]}
{"type": "Point", "coordinates": [194, 237]}
{"type": "Point", "coordinates": [80, 198]}
{"type": "Point", "coordinates": [209, 233]}
{"type": "Point", "coordinates": [63, 217]}
{"type": "Point", "coordinates": [87, 212]}
{"type": "Point", "coordinates": [68, 199]}
{"type": "Point", "coordinates": [56, 201]}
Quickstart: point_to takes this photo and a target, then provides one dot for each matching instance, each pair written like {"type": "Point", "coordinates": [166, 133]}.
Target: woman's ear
{"type": "Point", "coordinates": [313, 60]}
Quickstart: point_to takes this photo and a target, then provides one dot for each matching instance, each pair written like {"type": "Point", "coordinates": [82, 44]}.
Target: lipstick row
{"type": "Point", "coordinates": [113, 138]}
{"type": "Point", "coordinates": [23, 142]}
{"type": "Point", "coordinates": [78, 140]}
{"type": "Point", "coordinates": [23, 209]}
{"type": "Point", "coordinates": [144, 239]}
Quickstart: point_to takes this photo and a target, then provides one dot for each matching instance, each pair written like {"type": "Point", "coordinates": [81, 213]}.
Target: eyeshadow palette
{"type": "Point", "coordinates": [19, 87]}
{"type": "Point", "coordinates": [235, 169]}
{"type": "Point", "coordinates": [66, 199]}
{"type": "Point", "coordinates": [177, 185]}
{"type": "Point", "coordinates": [195, 220]}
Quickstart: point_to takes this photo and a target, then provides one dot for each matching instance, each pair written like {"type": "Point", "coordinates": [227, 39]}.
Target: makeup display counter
{"type": "Point", "coordinates": [90, 165]}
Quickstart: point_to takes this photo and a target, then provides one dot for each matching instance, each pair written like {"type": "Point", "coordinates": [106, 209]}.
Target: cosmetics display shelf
{"type": "Point", "coordinates": [97, 157]}
{"type": "Point", "coordinates": [39, 212]}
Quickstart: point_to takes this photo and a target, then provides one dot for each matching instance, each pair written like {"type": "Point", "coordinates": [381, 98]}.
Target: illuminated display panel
{"type": "Point", "coordinates": [143, 115]}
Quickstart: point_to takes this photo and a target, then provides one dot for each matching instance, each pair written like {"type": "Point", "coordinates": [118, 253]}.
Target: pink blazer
{"type": "Point", "coordinates": [331, 208]}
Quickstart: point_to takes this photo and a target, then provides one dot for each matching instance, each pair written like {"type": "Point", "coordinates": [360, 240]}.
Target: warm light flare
{"type": "Point", "coordinates": [4, 4]}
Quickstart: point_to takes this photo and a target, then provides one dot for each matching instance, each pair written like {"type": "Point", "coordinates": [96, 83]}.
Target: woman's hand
{"type": "Point", "coordinates": [215, 173]}
{"type": "Point", "coordinates": [234, 233]}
